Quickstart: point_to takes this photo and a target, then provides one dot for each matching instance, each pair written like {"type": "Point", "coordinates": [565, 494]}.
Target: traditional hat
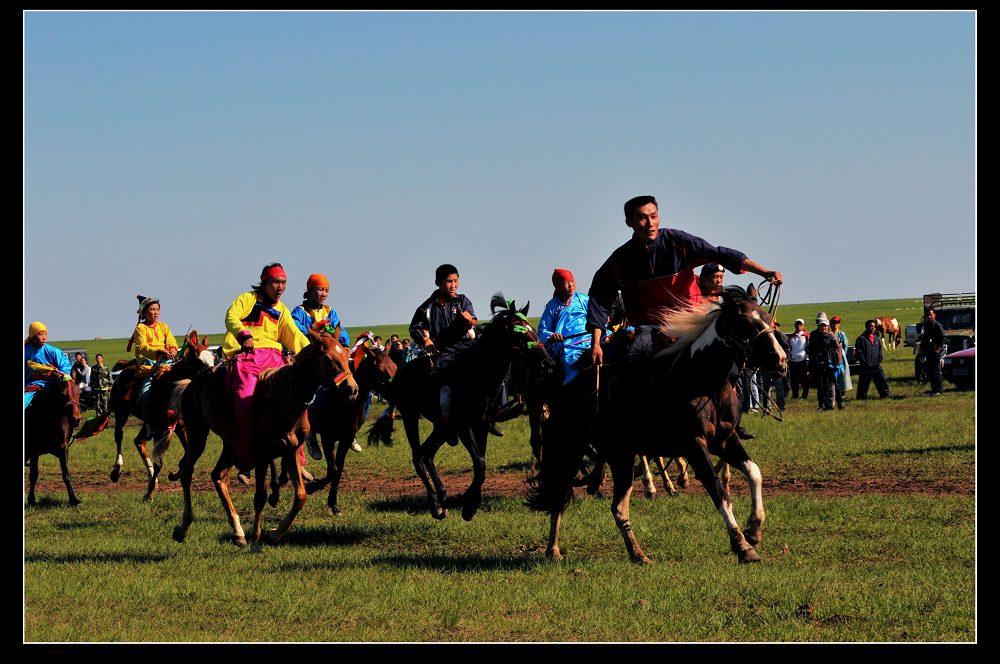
{"type": "Point", "coordinates": [34, 329]}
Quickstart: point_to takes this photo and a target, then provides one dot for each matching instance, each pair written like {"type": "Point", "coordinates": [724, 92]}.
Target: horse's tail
{"type": "Point", "coordinates": [564, 442]}
{"type": "Point", "coordinates": [381, 429]}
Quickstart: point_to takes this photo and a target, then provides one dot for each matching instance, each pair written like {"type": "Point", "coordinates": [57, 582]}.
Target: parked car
{"type": "Point", "coordinates": [912, 333]}
{"type": "Point", "coordinates": [960, 368]}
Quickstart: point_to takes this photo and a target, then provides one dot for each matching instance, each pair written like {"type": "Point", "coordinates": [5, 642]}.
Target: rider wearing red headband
{"type": "Point", "coordinates": [258, 325]}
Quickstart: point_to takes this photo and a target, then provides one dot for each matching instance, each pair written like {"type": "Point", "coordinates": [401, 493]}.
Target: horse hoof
{"type": "Point", "coordinates": [240, 541]}
{"type": "Point", "coordinates": [336, 510]}
{"type": "Point", "coordinates": [147, 498]}
{"type": "Point", "coordinates": [73, 502]}
{"type": "Point", "coordinates": [179, 534]}
{"type": "Point", "coordinates": [554, 554]}
{"type": "Point", "coordinates": [256, 547]}
{"type": "Point", "coordinates": [173, 476]}
{"type": "Point", "coordinates": [642, 559]}
{"type": "Point", "coordinates": [439, 513]}
{"type": "Point", "coordinates": [469, 511]}
{"type": "Point", "coordinates": [116, 472]}
{"type": "Point", "coordinates": [650, 495]}
{"type": "Point", "coordinates": [272, 500]}
{"type": "Point", "coordinates": [271, 537]}
{"type": "Point", "coordinates": [749, 556]}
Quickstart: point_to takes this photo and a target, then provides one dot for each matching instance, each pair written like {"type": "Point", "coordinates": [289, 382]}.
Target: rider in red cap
{"type": "Point", "coordinates": [258, 325]}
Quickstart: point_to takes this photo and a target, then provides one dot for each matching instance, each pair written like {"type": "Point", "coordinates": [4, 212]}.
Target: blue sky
{"type": "Point", "coordinates": [174, 154]}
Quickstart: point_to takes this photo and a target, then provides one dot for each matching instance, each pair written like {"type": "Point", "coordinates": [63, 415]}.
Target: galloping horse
{"type": "Point", "coordinates": [694, 416]}
{"type": "Point", "coordinates": [475, 375]}
{"type": "Point", "coordinates": [338, 419]}
{"type": "Point", "coordinates": [191, 360]}
{"type": "Point", "coordinates": [48, 427]}
{"type": "Point", "coordinates": [279, 424]}
{"type": "Point", "coordinates": [888, 327]}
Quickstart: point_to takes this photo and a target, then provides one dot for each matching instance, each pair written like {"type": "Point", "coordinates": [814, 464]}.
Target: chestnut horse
{"type": "Point", "coordinates": [888, 327]}
{"type": "Point", "coordinates": [193, 358]}
{"type": "Point", "coordinates": [475, 373]}
{"type": "Point", "coordinates": [279, 425]}
{"type": "Point", "coordinates": [336, 419]}
{"type": "Point", "coordinates": [694, 415]}
{"type": "Point", "coordinates": [48, 427]}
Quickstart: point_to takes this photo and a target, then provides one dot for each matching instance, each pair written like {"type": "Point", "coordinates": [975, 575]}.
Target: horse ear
{"type": "Point", "coordinates": [524, 309]}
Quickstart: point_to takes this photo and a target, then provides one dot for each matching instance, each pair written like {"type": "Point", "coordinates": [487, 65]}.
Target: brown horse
{"type": "Point", "coordinates": [279, 424]}
{"type": "Point", "coordinates": [679, 402]}
{"type": "Point", "coordinates": [48, 427]}
{"type": "Point", "coordinates": [887, 327]}
{"type": "Point", "coordinates": [336, 419]}
{"type": "Point", "coordinates": [191, 360]}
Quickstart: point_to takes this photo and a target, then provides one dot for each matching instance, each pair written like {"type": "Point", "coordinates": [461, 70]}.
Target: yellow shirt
{"type": "Point", "coordinates": [270, 327]}
{"type": "Point", "coordinates": [152, 338]}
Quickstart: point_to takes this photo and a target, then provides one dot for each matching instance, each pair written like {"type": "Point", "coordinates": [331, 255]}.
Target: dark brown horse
{"type": "Point", "coordinates": [679, 402]}
{"type": "Point", "coordinates": [48, 428]}
{"type": "Point", "coordinates": [191, 360]}
{"type": "Point", "coordinates": [336, 419]}
{"type": "Point", "coordinates": [474, 371]}
{"type": "Point", "coordinates": [279, 425]}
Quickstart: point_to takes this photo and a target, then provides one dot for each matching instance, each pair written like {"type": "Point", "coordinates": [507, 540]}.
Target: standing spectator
{"type": "Point", "coordinates": [778, 382]}
{"type": "Point", "coordinates": [74, 373]}
{"type": "Point", "coordinates": [82, 371]}
{"type": "Point", "coordinates": [868, 350]}
{"type": "Point", "coordinates": [377, 343]}
{"type": "Point", "coordinates": [395, 350]}
{"type": "Point", "coordinates": [844, 384]}
{"type": "Point", "coordinates": [100, 383]}
{"type": "Point", "coordinates": [798, 359]}
{"type": "Point", "coordinates": [932, 343]}
{"type": "Point", "coordinates": [824, 360]}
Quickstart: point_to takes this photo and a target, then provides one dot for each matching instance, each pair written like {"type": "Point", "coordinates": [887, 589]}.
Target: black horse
{"type": "Point", "coordinates": [474, 370]}
{"type": "Point", "coordinates": [48, 429]}
{"type": "Point", "coordinates": [679, 402]}
{"type": "Point", "coordinates": [337, 419]}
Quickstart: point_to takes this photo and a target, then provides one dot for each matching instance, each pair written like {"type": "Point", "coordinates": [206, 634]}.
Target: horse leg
{"type": "Point", "coordinates": [276, 483]}
{"type": "Point", "coordinates": [32, 478]}
{"type": "Point", "coordinates": [702, 465]}
{"type": "Point", "coordinates": [647, 477]}
{"type": "Point", "coordinates": [334, 469]}
{"type": "Point", "coordinates": [428, 451]}
{"type": "Point", "coordinates": [663, 464]}
{"type": "Point", "coordinates": [474, 440]}
{"type": "Point", "coordinates": [411, 426]}
{"type": "Point", "coordinates": [67, 480]}
{"type": "Point", "coordinates": [140, 446]}
{"type": "Point", "coordinates": [120, 419]}
{"type": "Point", "coordinates": [220, 479]}
{"type": "Point", "coordinates": [194, 445]}
{"type": "Point", "coordinates": [260, 499]}
{"type": "Point", "coordinates": [622, 467]}
{"type": "Point", "coordinates": [682, 477]}
{"type": "Point", "coordinates": [596, 477]}
{"type": "Point", "coordinates": [276, 534]}
{"type": "Point", "coordinates": [552, 550]}
{"type": "Point", "coordinates": [723, 472]}
{"type": "Point", "coordinates": [174, 475]}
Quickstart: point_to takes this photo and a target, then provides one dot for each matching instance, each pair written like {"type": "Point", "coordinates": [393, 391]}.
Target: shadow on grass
{"type": "Point", "coordinates": [48, 503]}
{"type": "Point", "coordinates": [312, 536]}
{"type": "Point", "coordinates": [523, 466]}
{"type": "Point", "coordinates": [72, 558]}
{"type": "Point", "coordinates": [419, 505]}
{"type": "Point", "coordinates": [80, 525]}
{"type": "Point", "coordinates": [917, 450]}
{"type": "Point", "coordinates": [460, 563]}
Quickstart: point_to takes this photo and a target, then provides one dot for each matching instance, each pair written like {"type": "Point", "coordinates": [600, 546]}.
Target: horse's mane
{"type": "Point", "coordinates": [689, 324]}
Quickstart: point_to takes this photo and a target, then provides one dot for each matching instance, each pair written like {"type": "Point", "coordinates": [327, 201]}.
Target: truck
{"type": "Point", "coordinates": [957, 314]}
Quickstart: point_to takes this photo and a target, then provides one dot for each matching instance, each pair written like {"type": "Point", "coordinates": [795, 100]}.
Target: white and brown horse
{"type": "Point", "coordinates": [888, 327]}
{"type": "Point", "coordinates": [679, 402]}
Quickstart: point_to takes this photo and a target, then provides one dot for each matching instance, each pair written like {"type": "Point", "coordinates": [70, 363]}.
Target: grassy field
{"type": "Point", "coordinates": [870, 537]}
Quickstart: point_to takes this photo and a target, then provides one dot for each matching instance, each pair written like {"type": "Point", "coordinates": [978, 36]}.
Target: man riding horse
{"type": "Point", "coordinates": [654, 271]}
{"type": "Point", "coordinates": [45, 366]}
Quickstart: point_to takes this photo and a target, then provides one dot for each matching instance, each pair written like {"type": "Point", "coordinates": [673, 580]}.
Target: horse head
{"type": "Point", "coordinates": [332, 361]}
{"type": "Point", "coordinates": [72, 407]}
{"type": "Point", "coordinates": [197, 350]}
{"type": "Point", "coordinates": [510, 325]}
{"type": "Point", "coordinates": [371, 364]}
{"type": "Point", "coordinates": [744, 325]}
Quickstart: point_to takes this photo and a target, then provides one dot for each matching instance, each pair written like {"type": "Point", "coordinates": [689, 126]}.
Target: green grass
{"type": "Point", "coordinates": [874, 564]}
